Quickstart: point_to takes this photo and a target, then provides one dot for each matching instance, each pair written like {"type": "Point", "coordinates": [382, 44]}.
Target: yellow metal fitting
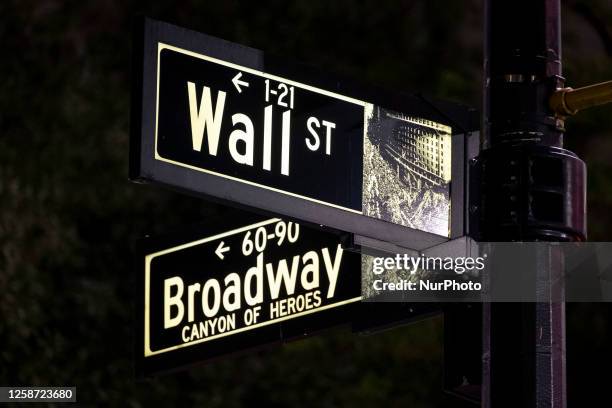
{"type": "Point", "coordinates": [568, 101]}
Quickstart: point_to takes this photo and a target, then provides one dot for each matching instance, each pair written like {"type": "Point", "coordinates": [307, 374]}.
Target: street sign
{"type": "Point", "coordinates": [240, 288]}
{"type": "Point", "coordinates": [227, 122]}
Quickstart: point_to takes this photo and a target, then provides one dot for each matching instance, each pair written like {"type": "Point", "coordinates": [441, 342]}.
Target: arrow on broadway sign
{"type": "Point", "coordinates": [221, 249]}
{"type": "Point", "coordinates": [224, 121]}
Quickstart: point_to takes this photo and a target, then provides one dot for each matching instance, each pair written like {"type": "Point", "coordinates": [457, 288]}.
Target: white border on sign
{"type": "Point", "coordinates": [147, 299]}
{"type": "Point", "coordinates": [161, 46]}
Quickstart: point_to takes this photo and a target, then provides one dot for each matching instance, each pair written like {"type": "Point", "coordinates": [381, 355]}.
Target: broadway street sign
{"type": "Point", "coordinates": [240, 288]}
{"type": "Point", "coordinates": [224, 121]}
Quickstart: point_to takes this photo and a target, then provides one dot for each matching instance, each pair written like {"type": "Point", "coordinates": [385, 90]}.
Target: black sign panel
{"type": "Point", "coordinates": [248, 126]}
{"type": "Point", "coordinates": [224, 121]}
{"type": "Point", "coordinates": [240, 288]}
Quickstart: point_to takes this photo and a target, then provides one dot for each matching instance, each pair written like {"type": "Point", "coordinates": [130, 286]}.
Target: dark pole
{"type": "Point", "coordinates": [531, 190]}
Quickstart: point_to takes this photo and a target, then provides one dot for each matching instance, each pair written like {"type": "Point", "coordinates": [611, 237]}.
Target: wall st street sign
{"type": "Point", "coordinates": [227, 122]}
{"type": "Point", "coordinates": [239, 288]}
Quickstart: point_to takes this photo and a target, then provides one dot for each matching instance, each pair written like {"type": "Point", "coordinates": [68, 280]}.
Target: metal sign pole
{"type": "Point", "coordinates": [531, 190]}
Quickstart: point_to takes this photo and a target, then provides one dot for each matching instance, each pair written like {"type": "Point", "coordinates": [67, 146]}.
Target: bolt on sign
{"type": "Point", "coordinates": [225, 121]}
{"type": "Point", "coordinates": [240, 288]}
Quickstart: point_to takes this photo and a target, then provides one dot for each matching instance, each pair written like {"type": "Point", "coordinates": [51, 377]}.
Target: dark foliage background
{"type": "Point", "coordinates": [69, 218]}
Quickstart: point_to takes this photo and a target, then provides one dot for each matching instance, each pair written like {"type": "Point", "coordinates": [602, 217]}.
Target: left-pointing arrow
{"type": "Point", "coordinates": [221, 250]}
{"type": "Point", "coordinates": [237, 82]}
